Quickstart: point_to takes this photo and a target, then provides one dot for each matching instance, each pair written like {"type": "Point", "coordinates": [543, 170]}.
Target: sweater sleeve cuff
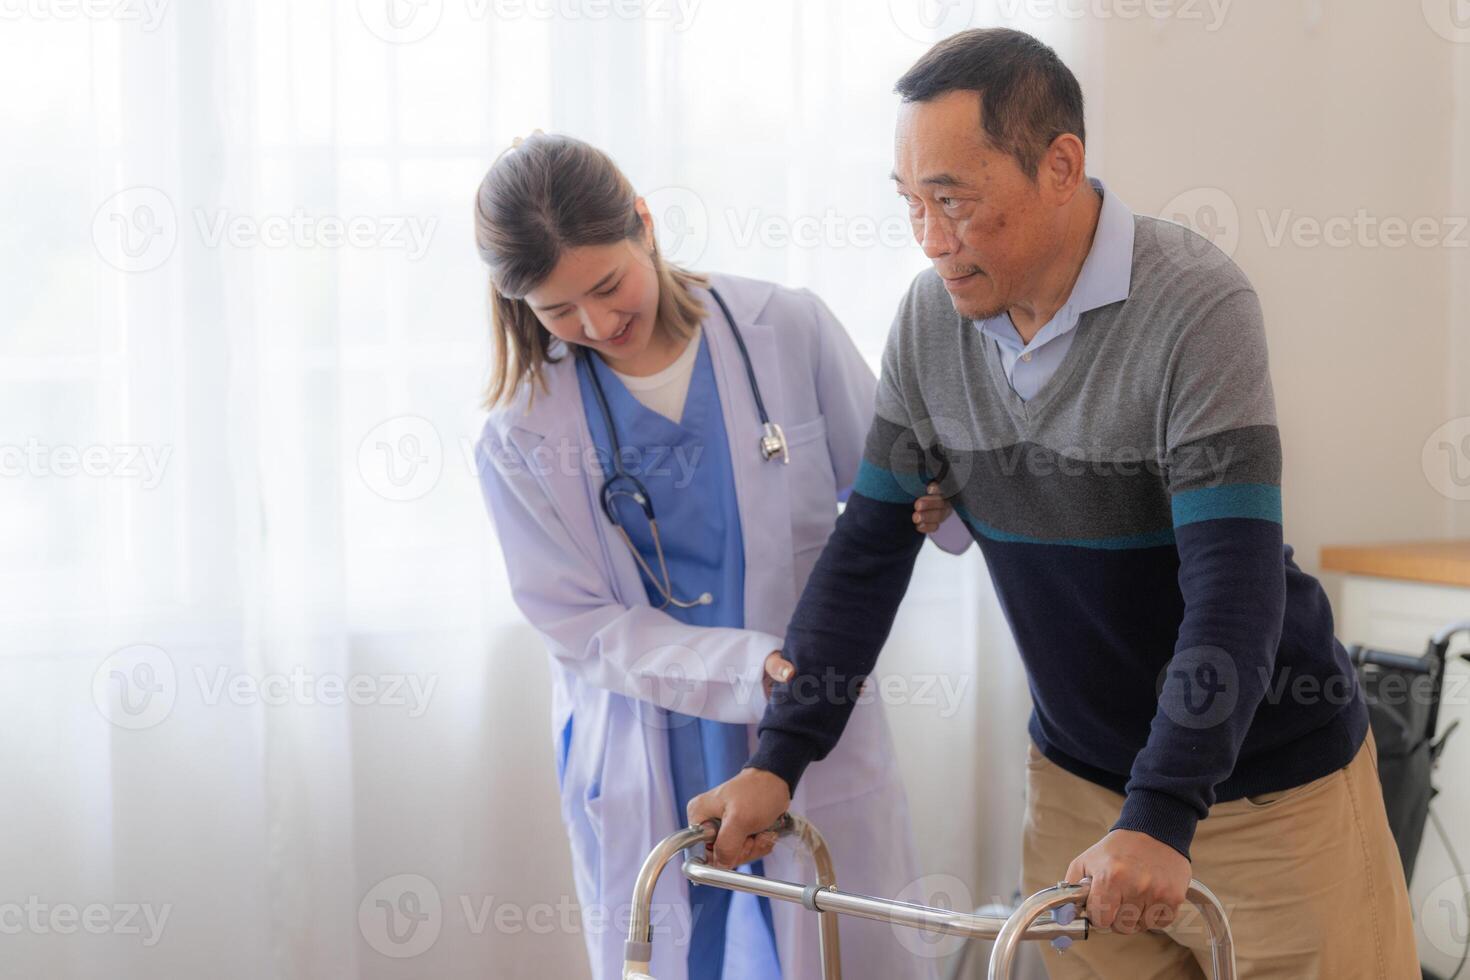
{"type": "Point", "coordinates": [1164, 818]}
{"type": "Point", "coordinates": [785, 755]}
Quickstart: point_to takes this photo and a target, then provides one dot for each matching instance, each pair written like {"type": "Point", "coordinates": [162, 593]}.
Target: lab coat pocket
{"type": "Point", "coordinates": [592, 806]}
{"type": "Point", "coordinates": [563, 749]}
{"type": "Point", "coordinates": [592, 801]}
{"type": "Point", "coordinates": [810, 485]}
{"type": "Point", "coordinates": [595, 847]}
{"type": "Point", "coordinates": [579, 763]}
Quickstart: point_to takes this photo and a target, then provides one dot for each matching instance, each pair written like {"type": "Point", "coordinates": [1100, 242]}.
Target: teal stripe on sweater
{"type": "Point", "coordinates": [1149, 539]}
{"type": "Point", "coordinates": [876, 483]}
{"type": "Point", "coordinates": [1261, 501]}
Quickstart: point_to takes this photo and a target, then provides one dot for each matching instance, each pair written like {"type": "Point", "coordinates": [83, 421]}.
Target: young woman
{"type": "Point", "coordinates": [663, 464]}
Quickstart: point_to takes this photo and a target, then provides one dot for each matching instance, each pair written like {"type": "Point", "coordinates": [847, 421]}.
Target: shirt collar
{"type": "Point", "coordinates": [1107, 274]}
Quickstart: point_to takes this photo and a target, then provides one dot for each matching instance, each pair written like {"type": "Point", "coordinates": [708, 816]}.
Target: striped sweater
{"type": "Point", "coordinates": [1130, 517]}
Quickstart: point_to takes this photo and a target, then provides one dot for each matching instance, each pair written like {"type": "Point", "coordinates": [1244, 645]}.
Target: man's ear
{"type": "Point", "coordinates": [1062, 170]}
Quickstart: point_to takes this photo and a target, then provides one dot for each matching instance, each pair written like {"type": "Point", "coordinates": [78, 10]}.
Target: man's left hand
{"type": "Point", "coordinates": [1138, 883]}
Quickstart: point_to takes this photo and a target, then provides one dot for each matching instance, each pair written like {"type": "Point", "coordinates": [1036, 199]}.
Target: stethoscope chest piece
{"type": "Point", "coordinates": [773, 443]}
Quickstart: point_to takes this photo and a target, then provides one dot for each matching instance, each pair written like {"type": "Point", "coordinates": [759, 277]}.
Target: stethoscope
{"type": "Point", "coordinates": [625, 484]}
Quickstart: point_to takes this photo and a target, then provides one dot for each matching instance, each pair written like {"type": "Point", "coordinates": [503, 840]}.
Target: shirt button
{"type": "Point", "coordinates": [1026, 356]}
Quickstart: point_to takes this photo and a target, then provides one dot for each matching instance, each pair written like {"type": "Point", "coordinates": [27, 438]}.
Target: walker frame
{"type": "Point", "coordinates": [1032, 920]}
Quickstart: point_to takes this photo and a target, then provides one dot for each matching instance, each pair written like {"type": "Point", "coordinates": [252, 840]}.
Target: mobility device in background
{"type": "Point", "coordinates": [1403, 693]}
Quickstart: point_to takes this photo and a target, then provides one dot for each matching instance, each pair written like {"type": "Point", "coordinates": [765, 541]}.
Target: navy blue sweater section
{"type": "Point", "coordinates": [1176, 684]}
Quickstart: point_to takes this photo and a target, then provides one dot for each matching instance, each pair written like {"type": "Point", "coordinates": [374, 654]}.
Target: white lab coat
{"type": "Point", "coordinates": [618, 663]}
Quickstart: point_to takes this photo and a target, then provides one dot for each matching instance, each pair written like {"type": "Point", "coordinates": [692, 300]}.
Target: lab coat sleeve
{"type": "Point", "coordinates": [952, 536]}
{"type": "Point", "coordinates": [640, 652]}
{"type": "Point", "coordinates": [845, 387]}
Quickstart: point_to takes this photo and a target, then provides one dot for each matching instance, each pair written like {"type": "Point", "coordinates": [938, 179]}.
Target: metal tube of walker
{"type": "Point", "coordinates": [823, 897]}
{"type": "Point", "coordinates": [1002, 957]}
{"type": "Point", "coordinates": [638, 950]}
{"type": "Point", "coordinates": [942, 921]}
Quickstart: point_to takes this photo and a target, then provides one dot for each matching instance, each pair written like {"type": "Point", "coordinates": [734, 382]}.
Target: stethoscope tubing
{"type": "Point", "coordinates": [773, 441]}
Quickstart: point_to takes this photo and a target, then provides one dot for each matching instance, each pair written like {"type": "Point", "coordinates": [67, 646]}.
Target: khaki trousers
{"type": "Point", "coordinates": [1309, 877]}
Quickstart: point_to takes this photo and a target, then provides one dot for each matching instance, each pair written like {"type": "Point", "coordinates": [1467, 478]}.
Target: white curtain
{"type": "Point", "coordinates": [268, 709]}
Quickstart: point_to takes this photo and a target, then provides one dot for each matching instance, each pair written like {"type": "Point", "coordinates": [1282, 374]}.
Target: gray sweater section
{"type": "Point", "coordinates": [1166, 391]}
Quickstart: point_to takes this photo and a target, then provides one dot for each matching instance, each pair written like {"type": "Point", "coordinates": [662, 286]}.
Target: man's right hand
{"type": "Point", "coordinates": [746, 804]}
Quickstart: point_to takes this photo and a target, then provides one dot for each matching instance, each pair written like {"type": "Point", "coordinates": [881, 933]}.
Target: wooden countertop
{"type": "Point", "coordinates": [1439, 562]}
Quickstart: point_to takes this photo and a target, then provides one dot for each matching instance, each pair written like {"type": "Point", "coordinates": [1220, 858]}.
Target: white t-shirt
{"type": "Point", "coordinates": [666, 391]}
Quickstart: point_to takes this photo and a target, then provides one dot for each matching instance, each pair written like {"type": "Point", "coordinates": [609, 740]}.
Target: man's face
{"type": "Point", "coordinates": [981, 221]}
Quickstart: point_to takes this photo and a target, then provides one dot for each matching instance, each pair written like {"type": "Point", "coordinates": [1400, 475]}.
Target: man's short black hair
{"type": "Point", "coordinates": [1028, 97]}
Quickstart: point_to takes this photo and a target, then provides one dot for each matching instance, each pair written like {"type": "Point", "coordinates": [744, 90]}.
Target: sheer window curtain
{"type": "Point", "coordinates": [269, 710]}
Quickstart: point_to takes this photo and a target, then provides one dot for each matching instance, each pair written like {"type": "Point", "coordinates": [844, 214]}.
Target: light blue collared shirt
{"type": "Point", "coordinates": [1106, 274]}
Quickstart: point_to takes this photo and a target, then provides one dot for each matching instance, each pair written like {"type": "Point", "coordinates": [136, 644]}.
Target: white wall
{"type": "Point", "coordinates": [1457, 366]}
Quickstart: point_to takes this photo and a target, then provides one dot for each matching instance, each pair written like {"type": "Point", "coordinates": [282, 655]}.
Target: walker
{"type": "Point", "coordinates": [824, 898]}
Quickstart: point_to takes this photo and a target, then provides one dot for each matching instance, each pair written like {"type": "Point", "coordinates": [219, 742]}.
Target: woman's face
{"type": "Point", "coordinates": [605, 297]}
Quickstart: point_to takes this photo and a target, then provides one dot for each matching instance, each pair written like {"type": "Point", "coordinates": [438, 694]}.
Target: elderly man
{"type": "Point", "coordinates": [1089, 387]}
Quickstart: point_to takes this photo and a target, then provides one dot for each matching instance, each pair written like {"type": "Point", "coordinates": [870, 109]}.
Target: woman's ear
{"type": "Point", "coordinates": [646, 216]}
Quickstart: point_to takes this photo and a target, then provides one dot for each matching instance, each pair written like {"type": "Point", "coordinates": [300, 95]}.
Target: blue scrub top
{"type": "Point", "coordinates": [685, 467]}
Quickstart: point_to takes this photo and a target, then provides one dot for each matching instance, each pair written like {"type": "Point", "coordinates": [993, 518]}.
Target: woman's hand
{"type": "Point", "coordinates": [778, 668]}
{"type": "Point", "coordinates": [931, 511]}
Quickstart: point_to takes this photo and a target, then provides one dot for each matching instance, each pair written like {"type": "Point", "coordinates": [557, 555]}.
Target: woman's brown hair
{"type": "Point", "coordinates": [546, 195]}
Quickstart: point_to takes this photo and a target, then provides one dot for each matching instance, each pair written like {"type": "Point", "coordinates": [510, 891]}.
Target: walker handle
{"type": "Point", "coordinates": [1002, 957]}
{"type": "Point", "coordinates": [828, 901]}
{"type": "Point", "coordinates": [638, 950]}
{"type": "Point", "coordinates": [784, 825]}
